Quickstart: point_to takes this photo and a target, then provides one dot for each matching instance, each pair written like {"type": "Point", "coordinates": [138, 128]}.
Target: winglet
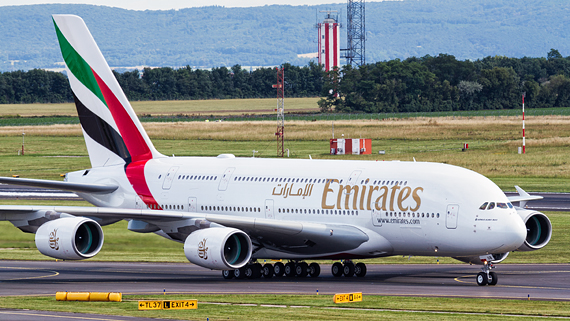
{"type": "Point", "coordinates": [523, 197]}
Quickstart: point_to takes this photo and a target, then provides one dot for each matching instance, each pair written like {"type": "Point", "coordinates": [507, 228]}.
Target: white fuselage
{"type": "Point", "coordinates": [405, 208]}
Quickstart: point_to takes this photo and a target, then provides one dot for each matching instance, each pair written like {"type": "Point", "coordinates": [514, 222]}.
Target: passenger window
{"type": "Point", "coordinates": [491, 206]}
{"type": "Point", "coordinates": [484, 206]}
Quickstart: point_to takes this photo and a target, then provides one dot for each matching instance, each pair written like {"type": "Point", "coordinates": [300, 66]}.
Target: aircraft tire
{"type": "Point", "coordinates": [314, 270]}
{"type": "Point", "coordinates": [301, 269]}
{"type": "Point", "coordinates": [267, 271]}
{"type": "Point", "coordinates": [278, 269]}
{"type": "Point", "coordinates": [255, 271]}
{"type": "Point", "coordinates": [290, 269]}
{"type": "Point", "coordinates": [336, 269]}
{"type": "Point", "coordinates": [240, 273]}
{"type": "Point", "coordinates": [493, 278]}
{"type": "Point", "coordinates": [228, 274]}
{"type": "Point", "coordinates": [348, 269]}
{"type": "Point", "coordinates": [482, 279]}
{"type": "Point", "coordinates": [360, 269]}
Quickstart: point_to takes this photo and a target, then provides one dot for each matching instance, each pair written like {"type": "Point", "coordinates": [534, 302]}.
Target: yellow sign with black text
{"type": "Point", "coordinates": [347, 297]}
{"type": "Point", "coordinates": [180, 305]}
{"type": "Point", "coordinates": [168, 305]}
{"type": "Point", "coordinates": [150, 305]}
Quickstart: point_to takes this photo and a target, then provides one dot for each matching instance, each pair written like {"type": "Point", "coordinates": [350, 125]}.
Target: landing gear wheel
{"type": "Point", "coordinates": [360, 269]}
{"type": "Point", "coordinates": [290, 269]}
{"type": "Point", "coordinates": [493, 278]}
{"type": "Point", "coordinates": [336, 269]}
{"type": "Point", "coordinates": [348, 269]}
{"type": "Point", "coordinates": [228, 274]}
{"type": "Point", "coordinates": [301, 269]}
{"type": "Point", "coordinates": [314, 270]}
{"type": "Point", "coordinates": [240, 273]}
{"type": "Point", "coordinates": [482, 279]}
{"type": "Point", "coordinates": [278, 269]}
{"type": "Point", "coordinates": [267, 271]}
{"type": "Point", "coordinates": [248, 272]}
{"type": "Point", "coordinates": [255, 271]}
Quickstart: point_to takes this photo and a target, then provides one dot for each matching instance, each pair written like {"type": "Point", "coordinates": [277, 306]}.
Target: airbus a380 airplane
{"type": "Point", "coordinates": [231, 211]}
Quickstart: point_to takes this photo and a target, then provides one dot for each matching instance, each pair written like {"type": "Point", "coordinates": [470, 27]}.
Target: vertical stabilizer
{"type": "Point", "coordinates": [113, 133]}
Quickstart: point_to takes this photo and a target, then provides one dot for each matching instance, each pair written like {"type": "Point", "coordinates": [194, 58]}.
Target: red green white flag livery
{"type": "Point", "coordinates": [231, 212]}
{"type": "Point", "coordinates": [106, 116]}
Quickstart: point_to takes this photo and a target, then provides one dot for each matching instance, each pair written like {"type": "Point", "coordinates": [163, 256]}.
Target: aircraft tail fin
{"type": "Point", "coordinates": [113, 133]}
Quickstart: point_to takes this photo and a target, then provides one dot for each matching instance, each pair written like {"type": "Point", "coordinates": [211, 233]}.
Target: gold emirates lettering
{"type": "Point", "coordinates": [387, 198]}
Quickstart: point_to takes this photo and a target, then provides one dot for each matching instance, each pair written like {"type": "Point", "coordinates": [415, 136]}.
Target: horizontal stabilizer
{"type": "Point", "coordinates": [523, 197]}
{"type": "Point", "coordinates": [64, 186]}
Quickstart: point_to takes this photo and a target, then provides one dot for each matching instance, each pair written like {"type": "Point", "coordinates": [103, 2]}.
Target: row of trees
{"type": "Point", "coordinates": [439, 83]}
{"type": "Point", "coordinates": [443, 83]}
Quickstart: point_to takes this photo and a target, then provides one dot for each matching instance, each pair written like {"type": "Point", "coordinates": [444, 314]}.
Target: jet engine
{"type": "Point", "coordinates": [219, 248]}
{"type": "Point", "coordinates": [538, 230]}
{"type": "Point", "coordinates": [70, 238]}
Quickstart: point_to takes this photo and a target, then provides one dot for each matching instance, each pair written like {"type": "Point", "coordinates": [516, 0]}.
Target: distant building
{"type": "Point", "coordinates": [329, 42]}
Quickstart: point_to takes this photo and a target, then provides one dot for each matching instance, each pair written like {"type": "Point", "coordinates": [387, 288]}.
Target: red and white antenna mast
{"type": "Point", "coordinates": [523, 121]}
{"type": "Point", "coordinates": [280, 111]}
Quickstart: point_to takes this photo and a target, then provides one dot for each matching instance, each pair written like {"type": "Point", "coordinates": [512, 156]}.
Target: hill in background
{"type": "Point", "coordinates": [271, 35]}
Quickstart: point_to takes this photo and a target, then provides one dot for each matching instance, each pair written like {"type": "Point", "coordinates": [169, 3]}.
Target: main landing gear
{"type": "Point", "coordinates": [299, 269]}
{"type": "Point", "coordinates": [486, 277]}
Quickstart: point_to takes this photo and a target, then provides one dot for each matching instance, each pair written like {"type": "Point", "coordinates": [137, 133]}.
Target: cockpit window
{"type": "Point", "coordinates": [502, 205]}
{"type": "Point", "coordinates": [491, 206]}
{"type": "Point", "coordinates": [510, 205]}
{"type": "Point", "coordinates": [484, 206]}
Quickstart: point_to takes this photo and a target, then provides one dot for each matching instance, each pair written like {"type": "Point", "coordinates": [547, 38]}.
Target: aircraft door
{"type": "Point", "coordinates": [226, 178]}
{"type": "Point", "coordinates": [353, 179]}
{"type": "Point", "coordinates": [269, 209]}
{"type": "Point", "coordinates": [192, 204]}
{"type": "Point", "coordinates": [451, 216]}
{"type": "Point", "coordinates": [169, 177]}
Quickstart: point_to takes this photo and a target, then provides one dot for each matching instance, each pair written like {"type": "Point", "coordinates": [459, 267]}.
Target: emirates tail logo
{"type": "Point", "coordinates": [203, 250]}
{"type": "Point", "coordinates": [54, 240]}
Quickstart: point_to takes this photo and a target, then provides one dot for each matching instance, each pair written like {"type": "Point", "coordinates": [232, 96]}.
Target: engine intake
{"type": "Point", "coordinates": [218, 248]}
{"type": "Point", "coordinates": [70, 238]}
{"type": "Point", "coordinates": [538, 230]}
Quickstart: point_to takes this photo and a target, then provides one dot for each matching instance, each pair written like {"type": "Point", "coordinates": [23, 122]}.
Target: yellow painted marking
{"type": "Point", "coordinates": [347, 297]}
{"type": "Point", "coordinates": [55, 273]}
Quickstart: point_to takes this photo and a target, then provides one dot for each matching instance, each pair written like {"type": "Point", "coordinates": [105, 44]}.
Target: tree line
{"type": "Point", "coordinates": [443, 83]}
{"type": "Point", "coordinates": [41, 86]}
{"type": "Point", "coordinates": [429, 83]}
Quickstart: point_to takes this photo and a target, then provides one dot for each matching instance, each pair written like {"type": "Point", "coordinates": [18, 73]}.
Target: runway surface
{"type": "Point", "coordinates": [516, 281]}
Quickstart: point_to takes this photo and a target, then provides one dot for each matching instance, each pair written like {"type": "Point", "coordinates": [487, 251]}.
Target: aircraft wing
{"type": "Point", "coordinates": [64, 186]}
{"type": "Point", "coordinates": [290, 236]}
{"type": "Point", "coordinates": [523, 197]}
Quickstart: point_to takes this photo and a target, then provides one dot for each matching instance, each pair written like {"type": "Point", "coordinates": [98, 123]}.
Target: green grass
{"type": "Point", "coordinates": [303, 307]}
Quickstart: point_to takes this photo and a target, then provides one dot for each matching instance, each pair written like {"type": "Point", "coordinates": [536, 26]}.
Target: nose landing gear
{"type": "Point", "coordinates": [486, 277]}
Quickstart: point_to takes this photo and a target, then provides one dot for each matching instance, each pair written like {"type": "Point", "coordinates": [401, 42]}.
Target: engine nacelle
{"type": "Point", "coordinates": [70, 238]}
{"type": "Point", "coordinates": [219, 248]}
{"type": "Point", "coordinates": [477, 260]}
{"type": "Point", "coordinates": [538, 230]}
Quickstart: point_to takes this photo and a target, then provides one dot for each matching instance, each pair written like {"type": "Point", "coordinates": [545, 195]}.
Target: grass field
{"type": "Point", "coordinates": [309, 306]}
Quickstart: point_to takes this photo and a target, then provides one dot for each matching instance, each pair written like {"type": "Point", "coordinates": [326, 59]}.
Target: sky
{"type": "Point", "coordinates": [173, 4]}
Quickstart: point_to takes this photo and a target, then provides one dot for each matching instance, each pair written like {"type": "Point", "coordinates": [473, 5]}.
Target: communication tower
{"type": "Point", "coordinates": [356, 33]}
{"type": "Point", "coordinates": [280, 110]}
{"type": "Point", "coordinates": [329, 41]}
